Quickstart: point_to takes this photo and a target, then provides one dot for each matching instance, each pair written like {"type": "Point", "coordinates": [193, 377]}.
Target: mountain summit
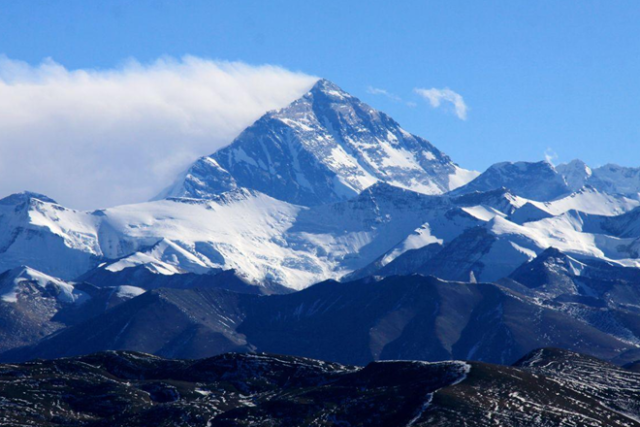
{"type": "Point", "coordinates": [536, 181]}
{"type": "Point", "coordinates": [324, 147]}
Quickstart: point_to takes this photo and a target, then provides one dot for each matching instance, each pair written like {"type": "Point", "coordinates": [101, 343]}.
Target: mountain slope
{"type": "Point", "coordinates": [610, 386]}
{"type": "Point", "coordinates": [397, 318]}
{"type": "Point", "coordinates": [34, 305]}
{"type": "Point", "coordinates": [175, 323]}
{"type": "Point", "coordinates": [325, 147]}
{"type": "Point", "coordinates": [548, 387]}
{"type": "Point", "coordinates": [145, 278]}
{"type": "Point", "coordinates": [38, 232]}
{"type": "Point", "coordinates": [266, 241]}
{"type": "Point", "coordinates": [603, 295]}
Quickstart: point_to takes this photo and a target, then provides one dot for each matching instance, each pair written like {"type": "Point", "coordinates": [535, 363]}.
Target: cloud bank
{"type": "Point", "coordinates": [99, 138]}
{"type": "Point", "coordinates": [437, 96]}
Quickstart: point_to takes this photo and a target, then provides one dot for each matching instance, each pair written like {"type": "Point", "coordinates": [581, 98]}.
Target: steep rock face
{"type": "Point", "coordinates": [29, 303]}
{"type": "Point", "coordinates": [325, 147]}
{"type": "Point", "coordinates": [626, 225]}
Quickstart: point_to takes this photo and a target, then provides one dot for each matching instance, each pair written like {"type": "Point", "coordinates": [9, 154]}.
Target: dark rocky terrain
{"type": "Point", "coordinates": [547, 388]}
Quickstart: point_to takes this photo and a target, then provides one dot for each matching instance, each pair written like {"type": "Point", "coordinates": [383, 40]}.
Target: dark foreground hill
{"type": "Point", "coordinates": [547, 388]}
{"type": "Point", "coordinates": [414, 318]}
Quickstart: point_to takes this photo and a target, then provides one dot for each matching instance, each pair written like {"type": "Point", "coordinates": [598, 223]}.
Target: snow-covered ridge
{"type": "Point", "coordinates": [538, 181]}
{"type": "Point", "coordinates": [544, 182]}
{"type": "Point", "coordinates": [271, 241]}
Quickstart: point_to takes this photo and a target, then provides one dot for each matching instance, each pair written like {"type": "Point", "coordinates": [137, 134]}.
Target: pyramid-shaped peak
{"type": "Point", "coordinates": [576, 173]}
{"type": "Point", "coordinates": [573, 167]}
{"type": "Point", "coordinates": [325, 147]}
{"type": "Point", "coordinates": [324, 85]}
{"type": "Point", "coordinates": [327, 89]}
{"type": "Point", "coordinates": [577, 163]}
{"type": "Point", "coordinates": [550, 268]}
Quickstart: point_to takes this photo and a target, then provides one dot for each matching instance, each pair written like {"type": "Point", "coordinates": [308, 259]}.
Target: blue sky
{"type": "Point", "coordinates": [537, 76]}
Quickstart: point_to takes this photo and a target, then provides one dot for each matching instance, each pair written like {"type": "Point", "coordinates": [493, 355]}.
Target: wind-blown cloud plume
{"type": "Point", "coordinates": [550, 155]}
{"type": "Point", "coordinates": [96, 138]}
{"type": "Point", "coordinates": [437, 96]}
{"type": "Point", "coordinates": [383, 92]}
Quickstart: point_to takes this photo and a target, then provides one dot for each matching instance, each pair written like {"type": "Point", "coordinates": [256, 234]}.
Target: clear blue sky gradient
{"type": "Point", "coordinates": [536, 75]}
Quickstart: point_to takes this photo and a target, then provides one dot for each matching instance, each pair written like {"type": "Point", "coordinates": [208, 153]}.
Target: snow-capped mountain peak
{"type": "Point", "coordinates": [324, 147]}
{"type": "Point", "coordinates": [576, 173]}
{"type": "Point", "coordinates": [538, 181]}
{"type": "Point", "coordinates": [24, 197]}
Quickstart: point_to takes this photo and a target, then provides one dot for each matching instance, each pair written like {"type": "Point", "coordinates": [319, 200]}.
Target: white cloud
{"type": "Point", "coordinates": [95, 138]}
{"type": "Point", "coordinates": [437, 96]}
{"type": "Point", "coordinates": [383, 92]}
{"type": "Point", "coordinates": [550, 155]}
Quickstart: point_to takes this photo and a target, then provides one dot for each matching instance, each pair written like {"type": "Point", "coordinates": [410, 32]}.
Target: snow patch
{"type": "Point", "coordinates": [127, 292]}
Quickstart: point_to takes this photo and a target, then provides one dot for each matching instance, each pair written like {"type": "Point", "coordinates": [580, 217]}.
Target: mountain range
{"type": "Point", "coordinates": [401, 317]}
{"type": "Point", "coordinates": [325, 230]}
